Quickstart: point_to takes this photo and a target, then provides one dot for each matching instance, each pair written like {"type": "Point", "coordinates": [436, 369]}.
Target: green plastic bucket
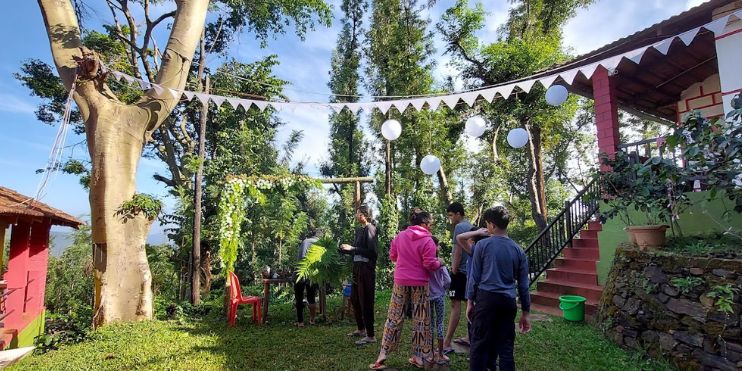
{"type": "Point", "coordinates": [573, 307]}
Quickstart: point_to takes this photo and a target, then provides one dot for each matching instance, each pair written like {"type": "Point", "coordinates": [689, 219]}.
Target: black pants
{"type": "Point", "coordinates": [299, 288]}
{"type": "Point", "coordinates": [493, 332]}
{"type": "Point", "coordinates": [362, 296]}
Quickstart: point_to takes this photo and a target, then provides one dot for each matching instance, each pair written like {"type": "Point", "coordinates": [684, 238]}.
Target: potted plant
{"type": "Point", "coordinates": [653, 188]}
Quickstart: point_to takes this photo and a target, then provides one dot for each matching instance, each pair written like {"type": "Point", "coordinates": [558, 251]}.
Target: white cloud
{"type": "Point", "coordinates": [13, 104]}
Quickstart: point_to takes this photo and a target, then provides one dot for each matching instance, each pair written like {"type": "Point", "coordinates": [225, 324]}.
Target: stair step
{"type": "Point", "coordinates": [554, 311]}
{"type": "Point", "coordinates": [589, 233]}
{"type": "Point", "coordinates": [573, 275]}
{"type": "Point", "coordinates": [589, 291]}
{"type": "Point", "coordinates": [586, 243]}
{"type": "Point", "coordinates": [582, 253]}
{"type": "Point", "coordinates": [548, 299]}
{"type": "Point", "coordinates": [594, 225]}
{"type": "Point", "coordinates": [584, 264]}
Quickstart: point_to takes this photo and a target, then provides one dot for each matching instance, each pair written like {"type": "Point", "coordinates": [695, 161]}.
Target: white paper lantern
{"type": "Point", "coordinates": [475, 126]}
{"type": "Point", "coordinates": [517, 137]}
{"type": "Point", "coordinates": [391, 129]}
{"type": "Point", "coordinates": [556, 95]}
{"type": "Point", "coordinates": [430, 164]}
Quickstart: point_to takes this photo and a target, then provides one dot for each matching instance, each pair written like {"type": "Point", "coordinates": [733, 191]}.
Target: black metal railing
{"type": "Point", "coordinates": [653, 147]}
{"type": "Point", "coordinates": [559, 233]}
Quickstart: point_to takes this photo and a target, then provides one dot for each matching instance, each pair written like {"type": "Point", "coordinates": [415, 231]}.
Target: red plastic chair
{"type": "Point", "coordinates": [236, 298]}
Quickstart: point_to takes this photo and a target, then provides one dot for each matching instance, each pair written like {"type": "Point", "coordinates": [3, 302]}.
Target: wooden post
{"type": "Point", "coordinates": [357, 195]}
{"type": "Point", "coordinates": [196, 264]}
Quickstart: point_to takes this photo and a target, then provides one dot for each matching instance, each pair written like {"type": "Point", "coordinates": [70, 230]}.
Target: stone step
{"type": "Point", "coordinates": [573, 275]}
{"type": "Point", "coordinates": [589, 233]}
{"type": "Point", "coordinates": [594, 225]}
{"type": "Point", "coordinates": [589, 291]}
{"type": "Point", "coordinates": [585, 243]}
{"type": "Point", "coordinates": [551, 300]}
{"type": "Point", "coordinates": [583, 264]}
{"type": "Point", "coordinates": [582, 253]}
{"type": "Point", "coordinates": [554, 311]}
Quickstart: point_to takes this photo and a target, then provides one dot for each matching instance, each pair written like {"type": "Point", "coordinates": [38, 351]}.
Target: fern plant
{"type": "Point", "coordinates": [324, 264]}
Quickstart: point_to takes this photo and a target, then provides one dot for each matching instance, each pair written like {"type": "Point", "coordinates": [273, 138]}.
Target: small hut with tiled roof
{"type": "Point", "coordinates": [24, 282]}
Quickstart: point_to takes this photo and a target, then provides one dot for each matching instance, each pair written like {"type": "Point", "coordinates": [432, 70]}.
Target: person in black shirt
{"type": "Point", "coordinates": [363, 289]}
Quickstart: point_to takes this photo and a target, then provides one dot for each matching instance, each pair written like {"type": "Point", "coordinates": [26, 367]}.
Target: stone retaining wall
{"type": "Point", "coordinates": [660, 302]}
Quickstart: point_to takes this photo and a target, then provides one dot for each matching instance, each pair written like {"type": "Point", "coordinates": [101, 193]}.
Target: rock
{"type": "Point", "coordinates": [723, 273]}
{"type": "Point", "coordinates": [683, 306]}
{"type": "Point", "coordinates": [650, 337]}
{"type": "Point", "coordinates": [707, 301]}
{"type": "Point", "coordinates": [709, 345]}
{"type": "Point", "coordinates": [734, 347]}
{"type": "Point", "coordinates": [733, 332]}
{"type": "Point", "coordinates": [662, 298]}
{"type": "Point", "coordinates": [630, 342]}
{"type": "Point", "coordinates": [696, 271]}
{"type": "Point", "coordinates": [684, 350]}
{"type": "Point", "coordinates": [655, 274]}
{"type": "Point", "coordinates": [734, 356]}
{"type": "Point", "coordinates": [686, 337]}
{"type": "Point", "coordinates": [630, 333]}
{"type": "Point", "coordinates": [670, 290]}
{"type": "Point", "coordinates": [667, 342]}
{"type": "Point", "coordinates": [632, 306]}
{"type": "Point", "coordinates": [724, 318]}
{"type": "Point", "coordinates": [618, 301]}
{"type": "Point", "coordinates": [714, 361]}
{"type": "Point", "coordinates": [692, 324]}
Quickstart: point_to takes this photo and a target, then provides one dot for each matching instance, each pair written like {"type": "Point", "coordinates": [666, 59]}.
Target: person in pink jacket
{"type": "Point", "coordinates": [414, 253]}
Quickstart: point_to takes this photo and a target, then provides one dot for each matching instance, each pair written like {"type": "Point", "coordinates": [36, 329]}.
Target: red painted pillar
{"type": "Point", "coordinates": [606, 111]}
{"type": "Point", "coordinates": [38, 262]}
{"type": "Point", "coordinates": [17, 274]}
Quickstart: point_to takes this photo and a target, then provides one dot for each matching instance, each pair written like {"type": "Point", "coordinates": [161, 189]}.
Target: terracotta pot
{"type": "Point", "coordinates": [648, 236]}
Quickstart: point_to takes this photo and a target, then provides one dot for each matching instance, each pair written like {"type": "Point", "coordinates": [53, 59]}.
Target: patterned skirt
{"type": "Point", "coordinates": [422, 338]}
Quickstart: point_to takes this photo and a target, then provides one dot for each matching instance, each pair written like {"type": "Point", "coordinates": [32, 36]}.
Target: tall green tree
{"type": "Point", "coordinates": [530, 41]}
{"type": "Point", "coordinates": [348, 147]}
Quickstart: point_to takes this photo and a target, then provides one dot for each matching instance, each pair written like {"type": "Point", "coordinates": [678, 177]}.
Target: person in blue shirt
{"type": "Point", "coordinates": [459, 269]}
{"type": "Point", "coordinates": [498, 274]}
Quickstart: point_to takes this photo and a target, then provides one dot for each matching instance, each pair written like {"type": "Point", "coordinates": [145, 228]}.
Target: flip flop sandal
{"type": "Point", "coordinates": [377, 366]}
{"type": "Point", "coordinates": [356, 334]}
{"type": "Point", "coordinates": [447, 351]}
{"type": "Point", "coordinates": [462, 341]}
{"type": "Point", "coordinates": [443, 360]}
{"type": "Point", "coordinates": [413, 362]}
{"type": "Point", "coordinates": [365, 341]}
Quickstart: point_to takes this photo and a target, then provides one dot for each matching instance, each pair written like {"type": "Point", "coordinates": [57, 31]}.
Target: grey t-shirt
{"type": "Point", "coordinates": [304, 247]}
{"type": "Point", "coordinates": [463, 226]}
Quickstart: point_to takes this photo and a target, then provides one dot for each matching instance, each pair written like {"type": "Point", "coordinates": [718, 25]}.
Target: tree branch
{"type": "Point", "coordinates": [64, 36]}
{"type": "Point", "coordinates": [176, 59]}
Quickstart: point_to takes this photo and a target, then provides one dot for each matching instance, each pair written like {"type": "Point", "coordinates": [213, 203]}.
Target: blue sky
{"type": "Point", "coordinates": [25, 143]}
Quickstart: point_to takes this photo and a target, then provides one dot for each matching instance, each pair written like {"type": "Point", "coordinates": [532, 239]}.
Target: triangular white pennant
{"type": "Point", "coordinates": [636, 54]}
{"type": "Point", "coordinates": [202, 97]}
{"type": "Point", "coordinates": [383, 106]}
{"type": "Point", "coordinates": [589, 70]}
{"type": "Point", "coordinates": [611, 63]}
{"type": "Point", "coordinates": [418, 103]}
{"type": "Point", "coordinates": [506, 90]}
{"type": "Point", "coordinates": [569, 75]}
{"type": "Point", "coordinates": [366, 107]}
{"type": "Point", "coordinates": [738, 14]}
{"type": "Point", "coordinates": [261, 104]}
{"type": "Point", "coordinates": [717, 26]}
{"type": "Point", "coordinates": [401, 105]}
{"type": "Point", "coordinates": [189, 95]}
{"type": "Point", "coordinates": [218, 100]}
{"type": "Point", "coordinates": [689, 36]}
{"type": "Point", "coordinates": [129, 79]}
{"type": "Point", "coordinates": [244, 103]}
{"type": "Point", "coordinates": [664, 45]}
{"type": "Point", "coordinates": [451, 100]}
{"type": "Point", "coordinates": [548, 80]}
{"type": "Point", "coordinates": [234, 102]}
{"type": "Point", "coordinates": [354, 107]}
{"type": "Point", "coordinates": [434, 103]}
{"type": "Point", "coordinates": [525, 85]}
{"type": "Point", "coordinates": [144, 85]}
{"type": "Point", "coordinates": [488, 94]}
{"type": "Point", "coordinates": [336, 107]}
{"type": "Point", "coordinates": [117, 75]}
{"type": "Point", "coordinates": [158, 90]}
{"type": "Point", "coordinates": [176, 94]}
{"type": "Point", "coordinates": [470, 97]}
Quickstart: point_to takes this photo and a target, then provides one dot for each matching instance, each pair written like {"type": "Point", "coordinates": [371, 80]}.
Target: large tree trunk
{"type": "Point", "coordinates": [116, 133]}
{"type": "Point", "coordinates": [445, 189]}
{"type": "Point", "coordinates": [535, 177]}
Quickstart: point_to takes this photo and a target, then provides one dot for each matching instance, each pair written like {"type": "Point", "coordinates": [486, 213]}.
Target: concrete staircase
{"type": "Point", "coordinates": [574, 273]}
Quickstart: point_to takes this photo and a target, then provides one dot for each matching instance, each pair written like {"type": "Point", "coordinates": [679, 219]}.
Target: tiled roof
{"type": "Point", "coordinates": [14, 204]}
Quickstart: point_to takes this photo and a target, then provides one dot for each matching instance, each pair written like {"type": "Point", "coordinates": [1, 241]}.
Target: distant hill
{"type": "Point", "coordinates": [62, 240]}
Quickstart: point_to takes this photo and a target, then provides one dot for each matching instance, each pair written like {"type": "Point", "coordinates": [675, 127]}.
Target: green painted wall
{"type": "Point", "coordinates": [26, 336]}
{"type": "Point", "coordinates": [701, 217]}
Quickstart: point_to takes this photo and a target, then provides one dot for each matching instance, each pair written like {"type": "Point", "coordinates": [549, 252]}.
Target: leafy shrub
{"type": "Point", "coordinates": [724, 297]}
{"type": "Point", "coordinates": [687, 284]}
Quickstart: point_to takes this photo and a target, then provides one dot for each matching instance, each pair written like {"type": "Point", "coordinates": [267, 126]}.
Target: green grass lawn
{"type": "Point", "coordinates": [208, 344]}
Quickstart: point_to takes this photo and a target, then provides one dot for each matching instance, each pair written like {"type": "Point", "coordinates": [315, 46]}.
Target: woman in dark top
{"type": "Point", "coordinates": [363, 290]}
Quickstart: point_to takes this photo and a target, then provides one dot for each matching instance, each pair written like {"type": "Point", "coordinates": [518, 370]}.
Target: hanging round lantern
{"type": "Point", "coordinates": [475, 126]}
{"type": "Point", "coordinates": [518, 137]}
{"type": "Point", "coordinates": [430, 164]}
{"type": "Point", "coordinates": [391, 129]}
{"type": "Point", "coordinates": [556, 95]}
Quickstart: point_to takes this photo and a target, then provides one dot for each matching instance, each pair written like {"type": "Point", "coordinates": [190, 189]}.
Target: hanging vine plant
{"type": "Point", "coordinates": [239, 193]}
